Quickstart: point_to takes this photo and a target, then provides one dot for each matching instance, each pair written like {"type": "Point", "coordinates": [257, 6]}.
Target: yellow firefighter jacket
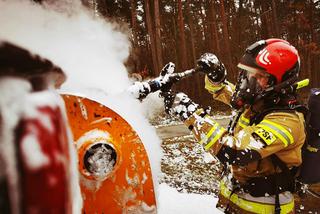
{"type": "Point", "coordinates": [249, 148]}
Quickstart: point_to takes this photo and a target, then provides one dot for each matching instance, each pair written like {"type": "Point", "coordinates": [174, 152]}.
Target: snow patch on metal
{"type": "Point", "coordinates": [93, 185]}
{"type": "Point", "coordinates": [13, 91]}
{"type": "Point", "coordinates": [140, 207]}
{"type": "Point", "coordinates": [84, 112]}
{"type": "Point", "coordinates": [93, 135]}
{"type": "Point", "coordinates": [143, 208]}
{"type": "Point", "coordinates": [32, 153]}
{"type": "Point", "coordinates": [133, 181]}
{"type": "Point", "coordinates": [104, 119]}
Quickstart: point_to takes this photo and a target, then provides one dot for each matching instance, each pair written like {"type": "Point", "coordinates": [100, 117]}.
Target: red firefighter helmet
{"type": "Point", "coordinates": [273, 59]}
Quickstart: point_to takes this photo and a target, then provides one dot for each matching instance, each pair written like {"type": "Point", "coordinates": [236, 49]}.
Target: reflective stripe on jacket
{"type": "Point", "coordinates": [248, 150]}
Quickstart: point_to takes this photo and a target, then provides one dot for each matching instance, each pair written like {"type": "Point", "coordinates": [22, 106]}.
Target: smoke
{"type": "Point", "coordinates": [90, 51]}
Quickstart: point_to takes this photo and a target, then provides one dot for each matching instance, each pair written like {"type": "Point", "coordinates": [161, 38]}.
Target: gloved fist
{"type": "Point", "coordinates": [212, 67]}
{"type": "Point", "coordinates": [167, 69]}
{"type": "Point", "coordinates": [179, 105]}
{"type": "Point", "coordinates": [167, 78]}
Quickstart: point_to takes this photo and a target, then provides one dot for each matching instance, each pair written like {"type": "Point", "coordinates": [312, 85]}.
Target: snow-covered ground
{"type": "Point", "coordinates": [173, 202]}
{"type": "Point", "coordinates": [190, 176]}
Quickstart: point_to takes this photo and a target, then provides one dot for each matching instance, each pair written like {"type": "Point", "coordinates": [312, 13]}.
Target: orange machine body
{"type": "Point", "coordinates": [126, 186]}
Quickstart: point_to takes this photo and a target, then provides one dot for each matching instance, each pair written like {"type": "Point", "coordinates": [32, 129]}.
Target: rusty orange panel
{"type": "Point", "coordinates": [128, 188]}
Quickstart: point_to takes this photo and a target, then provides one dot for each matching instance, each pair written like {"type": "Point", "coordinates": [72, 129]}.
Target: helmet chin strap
{"type": "Point", "coordinates": [245, 92]}
{"type": "Point", "coordinates": [250, 96]}
{"type": "Point", "coordinates": [279, 88]}
{"type": "Point", "coordinates": [276, 90]}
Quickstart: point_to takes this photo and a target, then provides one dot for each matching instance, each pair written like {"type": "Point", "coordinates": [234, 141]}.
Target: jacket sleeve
{"type": "Point", "coordinates": [277, 131]}
{"type": "Point", "coordinates": [221, 92]}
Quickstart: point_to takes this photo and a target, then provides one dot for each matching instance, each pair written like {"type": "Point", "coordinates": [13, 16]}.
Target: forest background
{"type": "Point", "coordinates": [181, 30]}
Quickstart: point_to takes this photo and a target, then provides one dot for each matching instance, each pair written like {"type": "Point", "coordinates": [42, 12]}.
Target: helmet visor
{"type": "Point", "coordinates": [260, 79]}
{"type": "Point", "coordinates": [250, 87]}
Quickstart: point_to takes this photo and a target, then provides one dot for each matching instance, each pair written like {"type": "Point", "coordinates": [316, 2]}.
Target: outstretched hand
{"type": "Point", "coordinates": [212, 67]}
{"type": "Point", "coordinates": [167, 77]}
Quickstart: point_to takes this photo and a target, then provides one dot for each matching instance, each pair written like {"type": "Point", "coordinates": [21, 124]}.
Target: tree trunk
{"type": "Point", "coordinates": [135, 53]}
{"type": "Point", "coordinates": [205, 24]}
{"type": "Point", "coordinates": [183, 48]}
{"type": "Point", "coordinates": [275, 19]}
{"type": "Point", "coordinates": [239, 25]}
{"type": "Point", "coordinates": [190, 22]}
{"type": "Point", "coordinates": [213, 29]}
{"type": "Point", "coordinates": [158, 36]}
{"type": "Point", "coordinates": [176, 38]}
{"type": "Point", "coordinates": [226, 40]}
{"type": "Point", "coordinates": [134, 22]}
{"type": "Point", "coordinates": [264, 10]}
{"type": "Point", "coordinates": [151, 38]}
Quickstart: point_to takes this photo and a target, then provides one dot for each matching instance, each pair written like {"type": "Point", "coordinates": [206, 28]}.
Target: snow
{"type": "Point", "coordinates": [94, 136]}
{"type": "Point", "coordinates": [83, 111]}
{"type": "Point", "coordinates": [254, 144]}
{"type": "Point", "coordinates": [92, 53]}
{"type": "Point", "coordinates": [101, 162]}
{"type": "Point", "coordinates": [208, 158]}
{"type": "Point", "coordinates": [13, 90]}
{"type": "Point", "coordinates": [104, 119]}
{"type": "Point", "coordinates": [139, 88]}
{"type": "Point", "coordinates": [32, 154]}
{"type": "Point", "coordinates": [87, 48]}
{"type": "Point", "coordinates": [42, 99]}
{"type": "Point", "coordinates": [173, 202]}
{"type": "Point", "coordinates": [210, 59]}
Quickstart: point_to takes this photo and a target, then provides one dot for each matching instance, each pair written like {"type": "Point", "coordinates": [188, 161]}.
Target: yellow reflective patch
{"type": "Point", "coordinates": [251, 206]}
{"type": "Point", "coordinates": [266, 136]}
{"type": "Point", "coordinates": [208, 135]}
{"type": "Point", "coordinates": [245, 120]}
{"type": "Point", "coordinates": [216, 137]}
{"type": "Point", "coordinates": [302, 83]}
{"type": "Point", "coordinates": [279, 131]}
{"type": "Point", "coordinates": [211, 87]}
{"type": "Point", "coordinates": [312, 149]}
{"type": "Point", "coordinates": [212, 136]}
{"type": "Point", "coordinates": [242, 125]}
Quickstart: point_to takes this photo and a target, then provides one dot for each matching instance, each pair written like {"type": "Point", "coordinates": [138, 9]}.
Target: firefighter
{"type": "Point", "coordinates": [262, 145]}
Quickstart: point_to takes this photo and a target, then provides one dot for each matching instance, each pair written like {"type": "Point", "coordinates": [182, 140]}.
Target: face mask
{"type": "Point", "coordinates": [250, 86]}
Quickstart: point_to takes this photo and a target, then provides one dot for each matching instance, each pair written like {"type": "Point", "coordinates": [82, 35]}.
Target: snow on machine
{"type": "Point", "coordinates": [38, 172]}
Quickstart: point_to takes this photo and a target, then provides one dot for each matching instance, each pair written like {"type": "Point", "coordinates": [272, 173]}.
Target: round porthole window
{"type": "Point", "coordinates": [100, 160]}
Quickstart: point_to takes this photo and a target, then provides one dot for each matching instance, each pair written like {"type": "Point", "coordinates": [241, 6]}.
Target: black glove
{"type": "Point", "coordinates": [179, 104]}
{"type": "Point", "coordinates": [167, 77]}
{"type": "Point", "coordinates": [212, 67]}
